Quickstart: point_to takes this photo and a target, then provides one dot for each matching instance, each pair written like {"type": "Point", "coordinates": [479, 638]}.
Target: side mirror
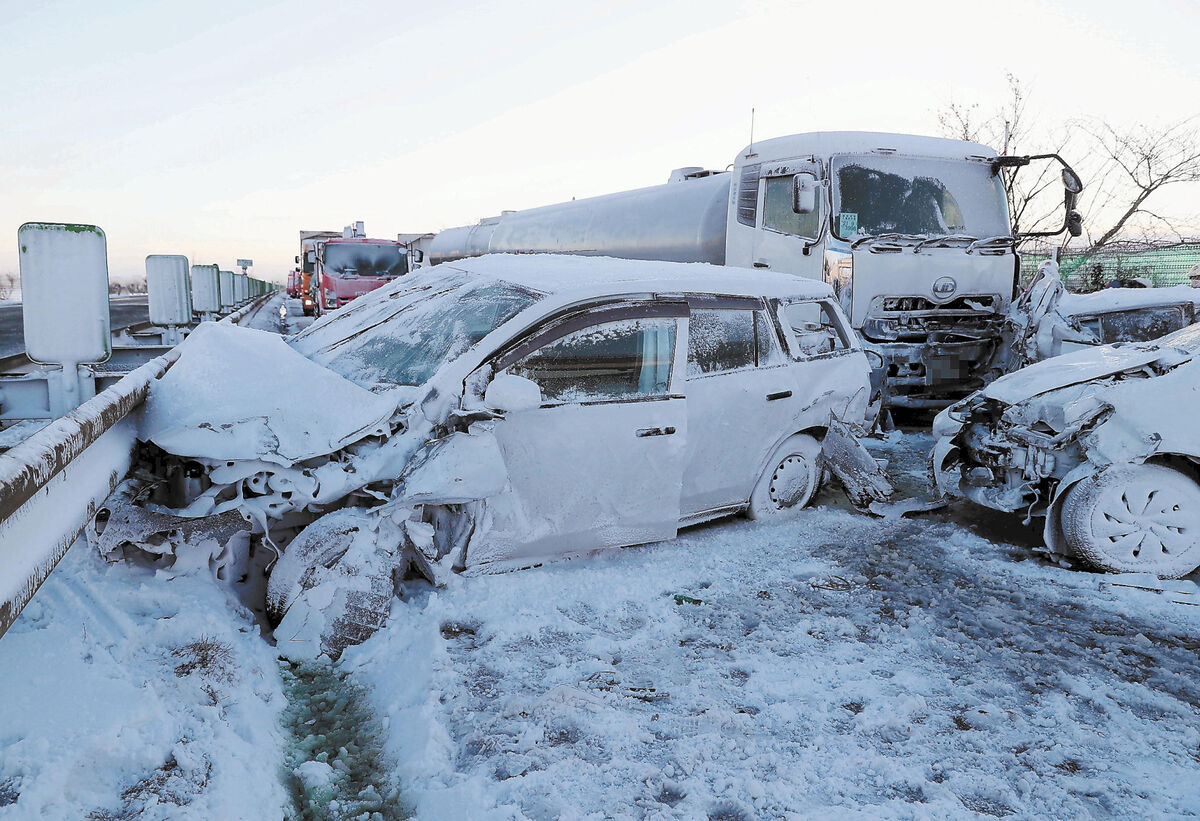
{"type": "Point", "coordinates": [804, 193]}
{"type": "Point", "coordinates": [509, 392]}
{"type": "Point", "coordinates": [1074, 222]}
{"type": "Point", "coordinates": [418, 255]}
{"type": "Point", "coordinates": [1071, 181]}
{"type": "Point", "coordinates": [297, 259]}
{"type": "Point", "coordinates": [312, 256]}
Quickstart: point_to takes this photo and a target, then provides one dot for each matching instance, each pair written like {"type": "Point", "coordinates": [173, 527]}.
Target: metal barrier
{"type": "Point", "coordinates": [52, 483]}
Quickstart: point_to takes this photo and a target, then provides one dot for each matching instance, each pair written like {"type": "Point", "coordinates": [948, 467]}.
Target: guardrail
{"type": "Point", "coordinates": [52, 483]}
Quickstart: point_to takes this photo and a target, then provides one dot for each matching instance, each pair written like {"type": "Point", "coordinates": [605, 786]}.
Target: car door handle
{"type": "Point", "coordinates": [778, 395]}
{"type": "Point", "coordinates": [655, 431]}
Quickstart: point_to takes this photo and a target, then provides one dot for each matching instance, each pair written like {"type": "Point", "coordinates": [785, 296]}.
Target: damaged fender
{"type": "Point", "coordinates": [459, 468]}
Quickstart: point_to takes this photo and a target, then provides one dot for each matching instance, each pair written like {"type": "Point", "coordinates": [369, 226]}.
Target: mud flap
{"type": "Point", "coordinates": [859, 473]}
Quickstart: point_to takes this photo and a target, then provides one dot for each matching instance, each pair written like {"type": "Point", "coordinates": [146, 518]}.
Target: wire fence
{"type": "Point", "coordinates": [1160, 264]}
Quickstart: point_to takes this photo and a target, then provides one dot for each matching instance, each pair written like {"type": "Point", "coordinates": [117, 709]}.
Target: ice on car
{"type": "Point", "coordinates": [1101, 442]}
{"type": "Point", "coordinates": [495, 413]}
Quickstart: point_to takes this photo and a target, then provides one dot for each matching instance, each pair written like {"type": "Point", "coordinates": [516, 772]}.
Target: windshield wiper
{"type": "Point", "coordinates": [891, 235]}
{"type": "Point", "coordinates": [945, 238]}
{"type": "Point", "coordinates": [1003, 239]}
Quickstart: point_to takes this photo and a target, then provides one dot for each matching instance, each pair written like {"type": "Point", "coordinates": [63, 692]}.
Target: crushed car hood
{"type": "Point", "coordinates": [238, 393]}
{"type": "Point", "coordinates": [1070, 369]}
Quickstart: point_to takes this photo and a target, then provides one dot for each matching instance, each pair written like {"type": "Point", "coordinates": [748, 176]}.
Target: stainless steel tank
{"type": "Point", "coordinates": [677, 222]}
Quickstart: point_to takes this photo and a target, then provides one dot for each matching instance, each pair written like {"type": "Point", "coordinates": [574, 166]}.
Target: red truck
{"type": "Point", "coordinates": [353, 264]}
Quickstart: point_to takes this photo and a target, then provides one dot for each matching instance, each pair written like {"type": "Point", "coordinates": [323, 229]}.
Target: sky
{"type": "Point", "coordinates": [220, 129]}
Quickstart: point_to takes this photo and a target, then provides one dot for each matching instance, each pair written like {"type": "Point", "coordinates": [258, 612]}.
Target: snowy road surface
{"type": "Point", "coordinates": [834, 666]}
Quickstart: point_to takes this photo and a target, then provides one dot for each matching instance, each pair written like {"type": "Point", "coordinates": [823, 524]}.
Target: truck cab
{"type": "Point", "coordinates": [351, 265]}
{"type": "Point", "coordinates": [913, 234]}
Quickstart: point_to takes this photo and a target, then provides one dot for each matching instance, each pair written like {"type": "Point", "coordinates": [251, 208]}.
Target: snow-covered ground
{"type": "Point", "coordinates": [128, 695]}
{"type": "Point", "coordinates": [834, 666]}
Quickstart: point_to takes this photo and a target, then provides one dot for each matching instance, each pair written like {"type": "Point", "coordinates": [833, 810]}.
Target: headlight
{"type": "Point", "coordinates": [882, 330]}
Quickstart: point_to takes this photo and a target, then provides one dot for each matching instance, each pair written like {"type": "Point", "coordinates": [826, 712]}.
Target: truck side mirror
{"type": "Point", "coordinates": [297, 259]}
{"type": "Point", "coordinates": [418, 255]}
{"type": "Point", "coordinates": [1072, 185]}
{"type": "Point", "coordinates": [804, 193]}
{"type": "Point", "coordinates": [1071, 181]}
{"type": "Point", "coordinates": [509, 392]}
{"type": "Point", "coordinates": [312, 256]}
{"type": "Point", "coordinates": [1074, 221]}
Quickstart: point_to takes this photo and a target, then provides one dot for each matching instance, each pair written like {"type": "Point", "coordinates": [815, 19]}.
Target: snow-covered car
{"type": "Point", "coordinates": [1046, 320]}
{"type": "Point", "coordinates": [1100, 441]}
{"type": "Point", "coordinates": [1131, 314]}
{"type": "Point", "coordinates": [496, 412]}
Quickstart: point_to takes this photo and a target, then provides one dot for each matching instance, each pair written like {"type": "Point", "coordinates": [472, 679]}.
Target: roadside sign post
{"type": "Point", "coordinates": [228, 298]}
{"type": "Point", "coordinates": [64, 288]}
{"type": "Point", "coordinates": [206, 291]}
{"type": "Point", "coordinates": [169, 293]}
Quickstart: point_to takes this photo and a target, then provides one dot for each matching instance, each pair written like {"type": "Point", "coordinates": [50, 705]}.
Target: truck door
{"type": "Point", "coordinates": [785, 241]}
{"type": "Point", "coordinates": [600, 462]}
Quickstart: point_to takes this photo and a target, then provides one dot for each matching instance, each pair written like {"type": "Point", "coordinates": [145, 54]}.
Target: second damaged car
{"type": "Point", "coordinates": [1102, 442]}
{"type": "Point", "coordinates": [492, 414]}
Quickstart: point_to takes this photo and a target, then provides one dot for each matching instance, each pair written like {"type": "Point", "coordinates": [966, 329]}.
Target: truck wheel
{"type": "Point", "coordinates": [789, 481]}
{"type": "Point", "coordinates": [1135, 519]}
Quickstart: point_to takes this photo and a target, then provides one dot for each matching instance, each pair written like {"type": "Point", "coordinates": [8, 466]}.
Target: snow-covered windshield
{"type": "Point", "coordinates": [922, 196]}
{"type": "Point", "coordinates": [364, 259]}
{"type": "Point", "coordinates": [402, 337]}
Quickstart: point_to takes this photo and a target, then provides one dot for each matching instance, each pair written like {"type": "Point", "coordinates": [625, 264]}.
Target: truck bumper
{"type": "Point", "coordinates": [930, 376]}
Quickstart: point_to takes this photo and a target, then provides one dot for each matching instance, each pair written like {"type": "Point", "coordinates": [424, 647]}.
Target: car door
{"type": "Point", "coordinates": [741, 401]}
{"type": "Point", "coordinates": [600, 462]}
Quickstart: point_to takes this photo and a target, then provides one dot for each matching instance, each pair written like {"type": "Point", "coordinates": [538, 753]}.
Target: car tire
{"type": "Point", "coordinates": [322, 544]}
{"type": "Point", "coordinates": [1135, 519]}
{"type": "Point", "coordinates": [789, 481]}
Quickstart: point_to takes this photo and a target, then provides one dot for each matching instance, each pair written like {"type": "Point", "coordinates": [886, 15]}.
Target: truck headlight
{"type": "Point", "coordinates": [882, 330]}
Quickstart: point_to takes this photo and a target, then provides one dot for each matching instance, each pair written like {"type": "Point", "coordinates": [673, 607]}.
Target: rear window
{"type": "Point", "coordinates": [814, 328]}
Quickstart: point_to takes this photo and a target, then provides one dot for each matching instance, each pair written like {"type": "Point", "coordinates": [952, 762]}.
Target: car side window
{"type": "Point", "coordinates": [814, 328]}
{"type": "Point", "coordinates": [778, 214]}
{"type": "Point", "coordinates": [623, 359]}
{"type": "Point", "coordinates": [720, 340]}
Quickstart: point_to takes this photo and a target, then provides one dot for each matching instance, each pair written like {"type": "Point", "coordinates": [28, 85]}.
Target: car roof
{"type": "Point", "coordinates": [567, 275]}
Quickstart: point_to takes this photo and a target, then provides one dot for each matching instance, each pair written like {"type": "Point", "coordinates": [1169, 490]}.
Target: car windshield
{"type": "Point", "coordinates": [364, 259]}
{"type": "Point", "coordinates": [920, 196]}
{"type": "Point", "coordinates": [402, 336]}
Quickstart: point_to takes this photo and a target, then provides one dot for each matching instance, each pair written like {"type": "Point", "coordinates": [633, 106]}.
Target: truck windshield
{"type": "Point", "coordinates": [403, 336]}
{"type": "Point", "coordinates": [918, 196]}
{"type": "Point", "coordinates": [364, 259]}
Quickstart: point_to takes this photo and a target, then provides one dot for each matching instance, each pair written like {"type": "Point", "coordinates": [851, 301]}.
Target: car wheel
{"type": "Point", "coordinates": [326, 592]}
{"type": "Point", "coordinates": [1135, 519]}
{"type": "Point", "coordinates": [789, 481]}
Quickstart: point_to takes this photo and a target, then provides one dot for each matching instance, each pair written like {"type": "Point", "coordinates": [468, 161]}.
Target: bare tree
{"type": "Point", "coordinates": [1121, 169]}
{"type": "Point", "coordinates": [1007, 129]}
{"type": "Point", "coordinates": [1135, 164]}
{"type": "Point", "coordinates": [8, 284]}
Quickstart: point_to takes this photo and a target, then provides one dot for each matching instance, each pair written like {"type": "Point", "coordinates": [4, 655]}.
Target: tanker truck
{"type": "Point", "coordinates": [913, 233]}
